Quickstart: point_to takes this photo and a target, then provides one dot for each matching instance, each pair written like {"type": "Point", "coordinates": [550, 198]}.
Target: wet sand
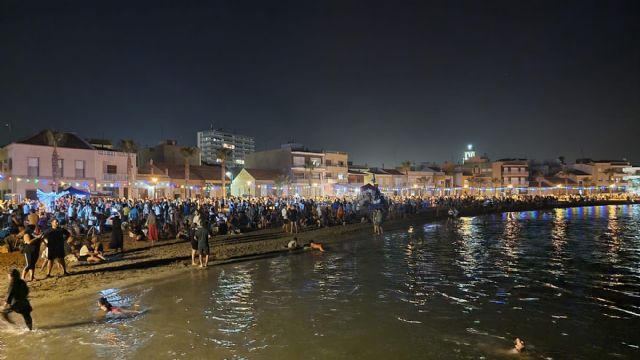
{"type": "Point", "coordinates": [142, 262]}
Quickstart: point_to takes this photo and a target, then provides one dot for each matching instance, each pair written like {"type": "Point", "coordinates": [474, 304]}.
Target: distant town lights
{"type": "Point", "coordinates": [470, 147]}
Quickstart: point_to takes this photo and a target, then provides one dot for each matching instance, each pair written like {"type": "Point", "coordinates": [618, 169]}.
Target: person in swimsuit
{"type": "Point", "coordinates": [106, 306]}
{"type": "Point", "coordinates": [17, 299]}
{"type": "Point", "coordinates": [316, 246]}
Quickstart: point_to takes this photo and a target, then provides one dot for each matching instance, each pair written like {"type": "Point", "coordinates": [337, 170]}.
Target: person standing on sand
{"type": "Point", "coordinates": [56, 238]}
{"type": "Point", "coordinates": [117, 238]}
{"type": "Point", "coordinates": [17, 299]}
{"type": "Point", "coordinates": [31, 252]}
{"type": "Point", "coordinates": [202, 236]}
{"type": "Point", "coordinates": [152, 227]}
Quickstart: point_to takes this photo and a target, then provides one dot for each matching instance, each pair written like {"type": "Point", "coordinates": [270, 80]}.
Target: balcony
{"type": "Point", "coordinates": [515, 173]}
{"type": "Point", "coordinates": [115, 177]}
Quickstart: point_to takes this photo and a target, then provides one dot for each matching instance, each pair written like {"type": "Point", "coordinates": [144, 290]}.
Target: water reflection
{"type": "Point", "coordinates": [558, 255]}
{"type": "Point", "coordinates": [510, 239]}
{"type": "Point", "coordinates": [232, 306]}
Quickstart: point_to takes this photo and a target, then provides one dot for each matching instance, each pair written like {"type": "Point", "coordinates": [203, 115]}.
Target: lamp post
{"type": "Point", "coordinates": [155, 183]}
{"type": "Point", "coordinates": [230, 175]}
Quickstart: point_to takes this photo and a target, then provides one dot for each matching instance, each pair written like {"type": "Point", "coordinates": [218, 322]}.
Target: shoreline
{"type": "Point", "coordinates": [142, 262]}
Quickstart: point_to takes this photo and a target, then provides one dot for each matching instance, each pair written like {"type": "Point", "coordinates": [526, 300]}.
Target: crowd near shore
{"type": "Point", "coordinates": [93, 230]}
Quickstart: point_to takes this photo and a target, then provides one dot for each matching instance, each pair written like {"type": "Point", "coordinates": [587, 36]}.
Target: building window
{"type": "Point", "coordinates": [298, 161]}
{"type": "Point", "coordinates": [61, 168]}
{"type": "Point", "coordinates": [328, 162]}
{"type": "Point", "coordinates": [112, 169]}
{"type": "Point", "coordinates": [79, 168]}
{"type": "Point", "coordinates": [316, 162]}
{"type": "Point", "coordinates": [33, 168]}
{"type": "Point", "coordinates": [340, 176]}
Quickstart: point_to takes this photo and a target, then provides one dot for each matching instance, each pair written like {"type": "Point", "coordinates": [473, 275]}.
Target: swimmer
{"type": "Point", "coordinates": [106, 306]}
{"type": "Point", "coordinates": [518, 346]}
{"type": "Point", "coordinates": [316, 246]}
{"type": "Point", "coordinates": [410, 246]}
{"type": "Point", "coordinates": [410, 229]}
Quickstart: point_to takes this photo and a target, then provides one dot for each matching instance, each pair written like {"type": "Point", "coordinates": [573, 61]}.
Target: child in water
{"type": "Point", "coordinates": [106, 306]}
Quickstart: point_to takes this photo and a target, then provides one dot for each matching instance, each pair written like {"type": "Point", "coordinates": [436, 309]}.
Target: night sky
{"type": "Point", "coordinates": [386, 81]}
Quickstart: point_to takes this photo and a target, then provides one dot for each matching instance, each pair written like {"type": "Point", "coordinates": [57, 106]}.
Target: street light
{"type": "Point", "coordinates": [155, 183]}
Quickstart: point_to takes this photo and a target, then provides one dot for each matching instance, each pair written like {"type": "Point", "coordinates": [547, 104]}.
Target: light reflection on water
{"type": "Point", "coordinates": [566, 280]}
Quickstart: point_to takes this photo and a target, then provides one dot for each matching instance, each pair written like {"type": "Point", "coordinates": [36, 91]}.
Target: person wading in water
{"type": "Point", "coordinates": [17, 299]}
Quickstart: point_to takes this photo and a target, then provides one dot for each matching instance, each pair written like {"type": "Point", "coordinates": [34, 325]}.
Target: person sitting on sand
{"type": "Point", "coordinates": [518, 346]}
{"type": "Point", "coordinates": [293, 244]}
{"type": "Point", "coordinates": [92, 252]}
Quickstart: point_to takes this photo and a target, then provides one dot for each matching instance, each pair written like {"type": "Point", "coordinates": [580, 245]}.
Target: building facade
{"type": "Point", "coordinates": [511, 173]}
{"type": "Point", "coordinates": [604, 173]}
{"type": "Point", "coordinates": [305, 168]}
{"type": "Point", "coordinates": [337, 173]}
{"type": "Point", "coordinates": [210, 141]}
{"type": "Point", "coordinates": [27, 166]}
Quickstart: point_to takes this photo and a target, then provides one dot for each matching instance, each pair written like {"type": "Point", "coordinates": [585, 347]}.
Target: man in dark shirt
{"type": "Point", "coordinates": [56, 238]}
{"type": "Point", "coordinates": [202, 236]}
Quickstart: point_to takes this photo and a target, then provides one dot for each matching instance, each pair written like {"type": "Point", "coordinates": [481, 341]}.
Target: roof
{"type": "Point", "coordinates": [71, 141]}
{"type": "Point", "coordinates": [176, 171]}
{"type": "Point", "coordinates": [377, 172]}
{"type": "Point", "coordinates": [561, 180]}
{"type": "Point", "coordinates": [513, 161]}
{"type": "Point", "coordinates": [148, 169]}
{"type": "Point", "coordinates": [354, 172]}
{"type": "Point", "coordinates": [393, 171]}
{"type": "Point", "coordinates": [263, 174]}
{"type": "Point", "coordinates": [577, 172]}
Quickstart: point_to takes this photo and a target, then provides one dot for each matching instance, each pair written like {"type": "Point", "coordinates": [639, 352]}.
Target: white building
{"type": "Point", "coordinates": [210, 141]}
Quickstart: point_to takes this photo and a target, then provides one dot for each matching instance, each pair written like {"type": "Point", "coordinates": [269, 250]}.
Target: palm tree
{"type": "Point", "coordinates": [281, 181]}
{"type": "Point", "coordinates": [475, 182]}
{"type": "Point", "coordinates": [309, 166]}
{"type": "Point", "coordinates": [610, 172]}
{"type": "Point", "coordinates": [54, 138]}
{"type": "Point", "coordinates": [222, 154]}
{"type": "Point", "coordinates": [129, 147]}
{"type": "Point", "coordinates": [405, 166]}
{"type": "Point", "coordinates": [423, 181]}
{"type": "Point", "coordinates": [495, 181]}
{"type": "Point", "coordinates": [588, 182]}
{"type": "Point", "coordinates": [187, 153]}
{"type": "Point", "coordinates": [538, 176]}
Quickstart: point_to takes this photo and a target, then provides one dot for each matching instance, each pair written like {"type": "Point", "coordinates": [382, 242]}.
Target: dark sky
{"type": "Point", "coordinates": [386, 81]}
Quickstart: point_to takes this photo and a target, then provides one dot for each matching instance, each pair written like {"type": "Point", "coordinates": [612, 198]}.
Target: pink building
{"type": "Point", "coordinates": [27, 165]}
